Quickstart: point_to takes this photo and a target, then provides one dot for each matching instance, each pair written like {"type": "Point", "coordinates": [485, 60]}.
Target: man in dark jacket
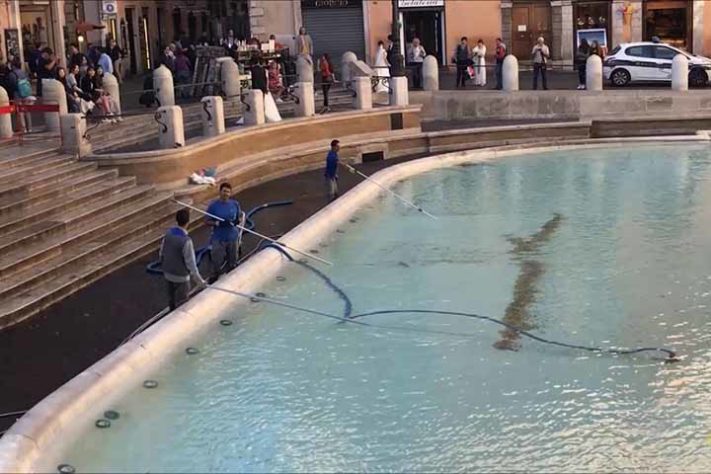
{"type": "Point", "coordinates": [463, 59]}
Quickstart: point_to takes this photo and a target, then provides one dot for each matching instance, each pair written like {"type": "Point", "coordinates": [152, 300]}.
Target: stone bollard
{"type": "Point", "coordinates": [5, 119]}
{"type": "Point", "coordinates": [254, 112]}
{"type": "Point", "coordinates": [53, 93]}
{"type": "Point", "coordinates": [593, 73]}
{"type": "Point", "coordinates": [346, 60]}
{"type": "Point", "coordinates": [229, 77]}
{"type": "Point", "coordinates": [680, 73]}
{"type": "Point", "coordinates": [73, 129]}
{"type": "Point", "coordinates": [163, 86]}
{"type": "Point", "coordinates": [304, 69]}
{"type": "Point", "coordinates": [213, 116]}
{"type": "Point", "coordinates": [510, 73]}
{"type": "Point", "coordinates": [400, 96]}
{"type": "Point", "coordinates": [171, 133]}
{"type": "Point", "coordinates": [364, 93]}
{"type": "Point", "coordinates": [112, 87]}
{"type": "Point", "coordinates": [430, 74]}
{"type": "Point", "coordinates": [305, 93]}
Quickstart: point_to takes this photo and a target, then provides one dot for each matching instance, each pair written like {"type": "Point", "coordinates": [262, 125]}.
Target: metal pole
{"type": "Point", "coordinates": [398, 62]}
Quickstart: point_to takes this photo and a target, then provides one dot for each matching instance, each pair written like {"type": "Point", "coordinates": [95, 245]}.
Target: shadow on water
{"type": "Point", "coordinates": [524, 293]}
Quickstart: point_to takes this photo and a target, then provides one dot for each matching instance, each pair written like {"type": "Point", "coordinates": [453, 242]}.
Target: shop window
{"type": "Point", "coordinates": [592, 16]}
{"type": "Point", "coordinates": [670, 25]}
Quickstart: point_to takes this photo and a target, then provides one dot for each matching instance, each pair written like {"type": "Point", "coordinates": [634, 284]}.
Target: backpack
{"type": "Point", "coordinates": [24, 88]}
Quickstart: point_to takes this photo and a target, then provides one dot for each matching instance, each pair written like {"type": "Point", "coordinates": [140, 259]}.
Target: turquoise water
{"type": "Point", "coordinates": [628, 265]}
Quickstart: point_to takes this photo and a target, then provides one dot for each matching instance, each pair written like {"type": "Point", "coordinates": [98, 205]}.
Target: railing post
{"type": "Point", "coordinates": [213, 116]}
{"type": "Point", "coordinates": [5, 119]}
{"type": "Point", "coordinates": [171, 133]}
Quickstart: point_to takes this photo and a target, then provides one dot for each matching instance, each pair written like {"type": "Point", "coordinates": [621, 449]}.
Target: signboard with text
{"type": "Point", "coordinates": [420, 3]}
{"type": "Point", "coordinates": [326, 4]}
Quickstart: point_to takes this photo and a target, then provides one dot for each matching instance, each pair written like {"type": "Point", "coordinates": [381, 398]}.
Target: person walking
{"type": "Point", "coordinates": [462, 58]}
{"type": "Point", "coordinates": [177, 259]}
{"type": "Point", "coordinates": [382, 68]}
{"type": "Point", "coordinates": [46, 68]}
{"type": "Point", "coordinates": [540, 54]}
{"type": "Point", "coordinates": [581, 58]}
{"type": "Point", "coordinates": [331, 172]}
{"type": "Point", "coordinates": [224, 233]}
{"type": "Point", "coordinates": [417, 57]}
{"type": "Point", "coordinates": [327, 79]}
{"type": "Point", "coordinates": [479, 55]}
{"type": "Point", "coordinates": [19, 83]}
{"type": "Point", "coordinates": [500, 55]}
{"type": "Point", "coordinates": [305, 45]}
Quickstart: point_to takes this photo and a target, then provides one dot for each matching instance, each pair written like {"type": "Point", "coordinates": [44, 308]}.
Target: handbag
{"type": "Point", "coordinates": [471, 71]}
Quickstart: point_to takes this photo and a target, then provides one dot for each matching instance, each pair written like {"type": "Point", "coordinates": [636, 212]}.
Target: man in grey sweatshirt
{"type": "Point", "coordinates": [177, 257]}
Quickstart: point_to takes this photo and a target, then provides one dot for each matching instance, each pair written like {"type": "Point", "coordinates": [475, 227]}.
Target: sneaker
{"type": "Point", "coordinates": [105, 120]}
{"type": "Point", "coordinates": [120, 119]}
{"type": "Point", "coordinates": [279, 101]}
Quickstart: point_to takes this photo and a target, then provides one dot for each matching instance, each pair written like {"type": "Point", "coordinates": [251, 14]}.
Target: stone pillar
{"type": "Point", "coordinates": [229, 77]}
{"type": "Point", "coordinates": [5, 119]}
{"type": "Point", "coordinates": [53, 93]}
{"type": "Point", "coordinates": [305, 93]}
{"type": "Point", "coordinates": [510, 73]}
{"type": "Point", "coordinates": [346, 60]}
{"type": "Point", "coordinates": [680, 73]}
{"type": "Point", "coordinates": [254, 114]}
{"type": "Point", "coordinates": [304, 70]}
{"type": "Point", "coordinates": [171, 133]}
{"type": "Point", "coordinates": [430, 74]}
{"type": "Point", "coordinates": [400, 95]}
{"type": "Point", "coordinates": [364, 93]}
{"type": "Point", "coordinates": [212, 112]}
{"type": "Point", "coordinates": [73, 129]}
{"type": "Point", "coordinates": [112, 87]}
{"type": "Point", "coordinates": [593, 73]}
{"type": "Point", "coordinates": [163, 86]}
{"type": "Point", "coordinates": [626, 21]}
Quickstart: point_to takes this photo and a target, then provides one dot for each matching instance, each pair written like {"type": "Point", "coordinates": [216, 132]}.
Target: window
{"type": "Point", "coordinates": [640, 51]}
{"type": "Point", "coordinates": [615, 50]}
{"type": "Point", "coordinates": [662, 52]}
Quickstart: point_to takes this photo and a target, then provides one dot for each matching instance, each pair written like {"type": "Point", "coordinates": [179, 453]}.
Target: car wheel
{"type": "Point", "coordinates": [620, 78]}
{"type": "Point", "coordinates": [698, 78]}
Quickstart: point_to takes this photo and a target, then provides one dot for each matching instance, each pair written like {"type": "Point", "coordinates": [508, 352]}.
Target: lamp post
{"type": "Point", "coordinates": [398, 65]}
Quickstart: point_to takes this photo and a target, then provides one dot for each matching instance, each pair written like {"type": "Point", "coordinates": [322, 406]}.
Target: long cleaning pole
{"type": "Point", "coordinates": [393, 193]}
{"type": "Point", "coordinates": [212, 216]}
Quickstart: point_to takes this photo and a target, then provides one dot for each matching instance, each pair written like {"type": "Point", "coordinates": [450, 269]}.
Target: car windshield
{"type": "Point", "coordinates": [615, 50]}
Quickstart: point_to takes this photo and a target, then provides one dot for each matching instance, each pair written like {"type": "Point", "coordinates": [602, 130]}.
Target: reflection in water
{"type": "Point", "coordinates": [524, 293]}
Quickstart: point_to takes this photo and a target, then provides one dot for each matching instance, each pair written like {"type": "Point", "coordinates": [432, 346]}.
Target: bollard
{"type": "Point", "coordinates": [364, 93]}
{"type": "Point", "coordinates": [305, 93]}
{"type": "Point", "coordinates": [229, 76]}
{"type": "Point", "coordinates": [346, 60]}
{"type": "Point", "coordinates": [171, 133]}
{"type": "Point", "coordinates": [73, 129]}
{"type": "Point", "coordinates": [53, 93]}
{"type": "Point", "coordinates": [510, 73]}
{"type": "Point", "coordinates": [5, 119]}
{"type": "Point", "coordinates": [213, 116]}
{"type": "Point", "coordinates": [304, 69]}
{"type": "Point", "coordinates": [112, 87]}
{"type": "Point", "coordinates": [430, 74]}
{"type": "Point", "coordinates": [680, 73]}
{"type": "Point", "coordinates": [593, 73]}
{"type": "Point", "coordinates": [399, 95]}
{"type": "Point", "coordinates": [254, 113]}
{"type": "Point", "coordinates": [163, 86]}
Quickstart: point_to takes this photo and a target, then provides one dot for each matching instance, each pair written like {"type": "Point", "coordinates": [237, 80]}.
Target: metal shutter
{"type": "Point", "coordinates": [335, 31]}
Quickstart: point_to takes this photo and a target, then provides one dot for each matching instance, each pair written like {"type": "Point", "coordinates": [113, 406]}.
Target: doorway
{"type": "Point", "coordinates": [428, 26]}
{"type": "Point", "coordinates": [528, 22]}
{"type": "Point", "coordinates": [131, 40]}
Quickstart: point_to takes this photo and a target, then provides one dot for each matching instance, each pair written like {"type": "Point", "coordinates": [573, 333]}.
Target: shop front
{"type": "Point", "coordinates": [335, 26]}
{"type": "Point", "coordinates": [670, 21]}
{"type": "Point", "coordinates": [592, 22]}
{"type": "Point", "coordinates": [424, 19]}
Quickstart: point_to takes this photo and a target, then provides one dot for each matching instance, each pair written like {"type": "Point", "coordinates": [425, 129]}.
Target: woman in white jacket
{"type": "Point", "coordinates": [479, 57]}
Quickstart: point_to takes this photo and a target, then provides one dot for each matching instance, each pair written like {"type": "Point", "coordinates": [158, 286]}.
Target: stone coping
{"type": "Point", "coordinates": [42, 434]}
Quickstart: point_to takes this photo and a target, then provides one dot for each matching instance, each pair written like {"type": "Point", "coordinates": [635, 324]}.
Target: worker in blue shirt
{"type": "Point", "coordinates": [331, 173]}
{"type": "Point", "coordinates": [225, 234]}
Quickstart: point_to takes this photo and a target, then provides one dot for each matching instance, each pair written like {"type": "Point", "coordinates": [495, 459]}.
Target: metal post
{"type": "Point", "coordinates": [398, 65]}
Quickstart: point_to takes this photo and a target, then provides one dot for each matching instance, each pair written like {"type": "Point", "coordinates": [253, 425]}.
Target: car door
{"type": "Point", "coordinates": [664, 57]}
{"type": "Point", "coordinates": [642, 64]}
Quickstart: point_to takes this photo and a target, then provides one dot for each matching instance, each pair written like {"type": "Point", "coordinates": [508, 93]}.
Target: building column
{"type": "Point", "coordinates": [16, 22]}
{"type": "Point", "coordinates": [58, 22]}
{"type": "Point", "coordinates": [257, 28]}
{"type": "Point", "coordinates": [626, 21]}
{"type": "Point", "coordinates": [562, 30]}
{"type": "Point", "coordinates": [506, 24]}
{"type": "Point", "coordinates": [697, 16]}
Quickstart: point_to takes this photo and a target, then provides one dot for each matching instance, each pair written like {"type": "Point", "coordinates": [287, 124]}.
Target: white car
{"type": "Point", "coordinates": [651, 62]}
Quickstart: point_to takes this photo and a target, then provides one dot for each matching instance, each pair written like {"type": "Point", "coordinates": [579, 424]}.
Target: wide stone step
{"type": "Point", "coordinates": [18, 158]}
{"type": "Point", "coordinates": [26, 238]}
{"type": "Point", "coordinates": [72, 200]}
{"type": "Point", "coordinates": [57, 191]}
{"type": "Point", "coordinates": [156, 215]}
{"type": "Point", "coordinates": [21, 172]}
{"type": "Point", "coordinates": [43, 180]}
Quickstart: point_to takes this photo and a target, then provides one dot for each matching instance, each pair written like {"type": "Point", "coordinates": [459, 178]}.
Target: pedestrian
{"type": "Point", "coordinates": [581, 58]}
{"type": "Point", "coordinates": [76, 57]}
{"type": "Point", "coordinates": [417, 57]}
{"type": "Point", "coordinates": [305, 46]}
{"type": "Point", "coordinates": [80, 102]}
{"type": "Point", "coordinates": [276, 83]}
{"type": "Point", "coordinates": [177, 259]}
{"type": "Point", "coordinates": [500, 55]}
{"type": "Point", "coordinates": [390, 50]}
{"type": "Point", "coordinates": [105, 62]}
{"type": "Point", "coordinates": [331, 172]}
{"type": "Point", "coordinates": [225, 235]}
{"type": "Point", "coordinates": [117, 54]}
{"type": "Point", "coordinates": [596, 49]}
{"type": "Point", "coordinates": [462, 58]}
{"type": "Point", "coordinates": [21, 87]}
{"type": "Point", "coordinates": [382, 68]}
{"type": "Point", "coordinates": [182, 73]}
{"type": "Point", "coordinates": [479, 56]}
{"type": "Point", "coordinates": [46, 68]}
{"type": "Point", "coordinates": [540, 54]}
{"type": "Point", "coordinates": [327, 79]}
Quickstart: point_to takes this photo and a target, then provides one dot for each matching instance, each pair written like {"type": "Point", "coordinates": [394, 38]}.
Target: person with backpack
{"type": "Point", "coordinates": [19, 84]}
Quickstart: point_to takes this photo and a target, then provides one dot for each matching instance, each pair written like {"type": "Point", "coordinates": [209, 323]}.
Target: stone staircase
{"type": "Point", "coordinates": [64, 224]}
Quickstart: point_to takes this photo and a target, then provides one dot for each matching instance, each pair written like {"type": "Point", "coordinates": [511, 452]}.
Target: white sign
{"type": "Point", "coordinates": [420, 3]}
{"type": "Point", "coordinates": [109, 7]}
{"type": "Point", "coordinates": [521, 28]}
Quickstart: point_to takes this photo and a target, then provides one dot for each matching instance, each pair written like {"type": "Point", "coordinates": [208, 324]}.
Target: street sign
{"type": "Point", "coordinates": [109, 7]}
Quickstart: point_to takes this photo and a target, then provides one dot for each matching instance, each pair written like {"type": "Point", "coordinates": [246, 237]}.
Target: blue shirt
{"type": "Point", "coordinates": [106, 64]}
{"type": "Point", "coordinates": [331, 164]}
{"type": "Point", "coordinates": [229, 211]}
